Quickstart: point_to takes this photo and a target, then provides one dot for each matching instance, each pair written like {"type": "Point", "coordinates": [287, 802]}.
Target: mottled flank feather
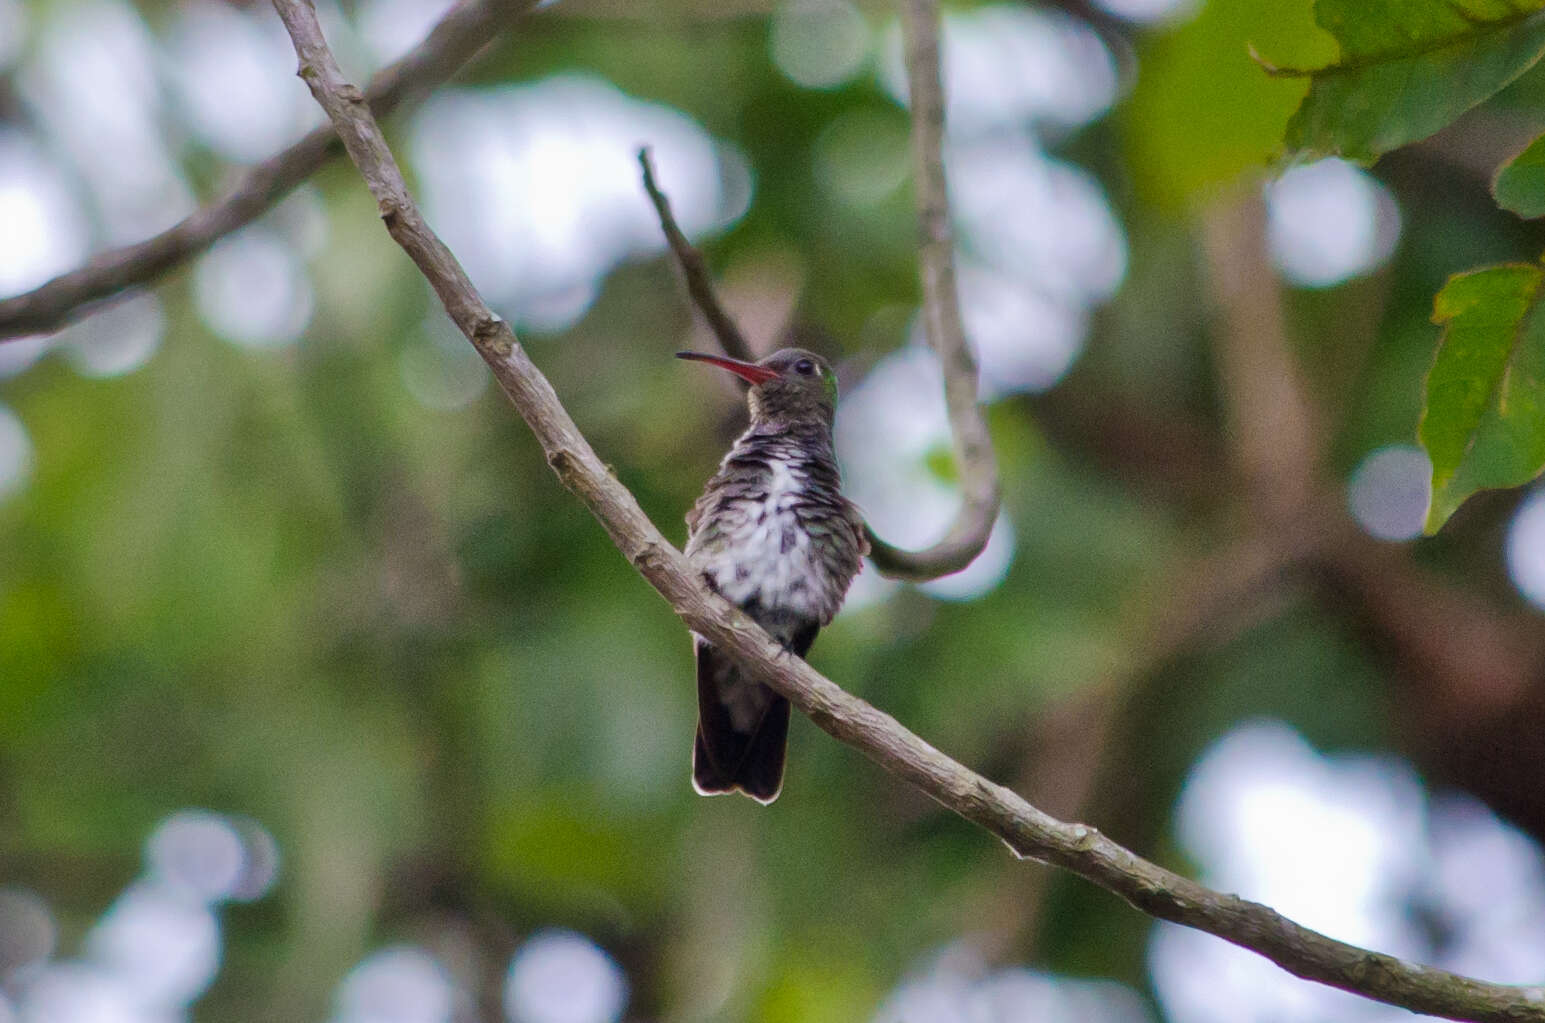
{"type": "Point", "coordinates": [773, 530]}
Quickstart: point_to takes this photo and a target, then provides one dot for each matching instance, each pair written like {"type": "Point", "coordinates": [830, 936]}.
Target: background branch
{"type": "Point", "coordinates": [695, 270]}
{"type": "Point", "coordinates": [454, 41]}
{"type": "Point", "coordinates": [1026, 830]}
{"type": "Point", "coordinates": [1271, 433]}
{"type": "Point", "coordinates": [974, 458]}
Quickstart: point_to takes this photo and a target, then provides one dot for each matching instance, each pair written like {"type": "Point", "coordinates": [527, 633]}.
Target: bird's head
{"type": "Point", "coordinates": [787, 386]}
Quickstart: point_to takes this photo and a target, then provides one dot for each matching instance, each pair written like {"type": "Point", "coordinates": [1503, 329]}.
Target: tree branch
{"type": "Point", "coordinates": [1027, 831]}
{"type": "Point", "coordinates": [1271, 433]}
{"type": "Point", "coordinates": [695, 270]}
{"type": "Point", "coordinates": [454, 41]}
{"type": "Point", "coordinates": [977, 465]}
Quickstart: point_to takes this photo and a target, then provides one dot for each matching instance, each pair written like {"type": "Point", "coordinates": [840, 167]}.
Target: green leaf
{"type": "Point", "coordinates": [1407, 69]}
{"type": "Point", "coordinates": [1483, 423]}
{"type": "Point", "coordinates": [1520, 184]}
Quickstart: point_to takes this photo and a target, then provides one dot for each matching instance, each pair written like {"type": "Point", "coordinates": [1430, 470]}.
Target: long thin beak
{"type": "Point", "coordinates": [747, 371]}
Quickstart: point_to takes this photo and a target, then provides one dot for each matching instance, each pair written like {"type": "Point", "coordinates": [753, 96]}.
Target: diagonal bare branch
{"type": "Point", "coordinates": [454, 41]}
{"type": "Point", "coordinates": [1027, 831]}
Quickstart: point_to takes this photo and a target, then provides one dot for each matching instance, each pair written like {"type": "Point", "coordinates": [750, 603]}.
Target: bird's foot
{"type": "Point", "coordinates": [784, 653]}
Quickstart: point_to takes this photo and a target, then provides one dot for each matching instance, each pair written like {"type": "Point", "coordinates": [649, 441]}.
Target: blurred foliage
{"type": "Point", "coordinates": [271, 583]}
{"type": "Point", "coordinates": [1407, 68]}
{"type": "Point", "coordinates": [1484, 425]}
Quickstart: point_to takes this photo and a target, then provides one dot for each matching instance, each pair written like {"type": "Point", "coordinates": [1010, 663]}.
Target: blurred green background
{"type": "Point", "coordinates": [284, 581]}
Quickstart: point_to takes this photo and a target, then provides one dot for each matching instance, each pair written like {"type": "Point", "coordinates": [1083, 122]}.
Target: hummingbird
{"type": "Point", "coordinates": [773, 534]}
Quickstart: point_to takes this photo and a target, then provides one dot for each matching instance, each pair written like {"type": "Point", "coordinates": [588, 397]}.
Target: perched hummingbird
{"type": "Point", "coordinates": [773, 534]}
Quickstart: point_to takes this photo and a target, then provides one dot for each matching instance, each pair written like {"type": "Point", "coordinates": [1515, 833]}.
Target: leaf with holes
{"type": "Point", "coordinates": [1407, 69]}
{"type": "Point", "coordinates": [1483, 423]}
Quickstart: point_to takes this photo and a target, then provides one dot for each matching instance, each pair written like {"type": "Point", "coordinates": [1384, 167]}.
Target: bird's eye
{"type": "Point", "coordinates": [804, 367]}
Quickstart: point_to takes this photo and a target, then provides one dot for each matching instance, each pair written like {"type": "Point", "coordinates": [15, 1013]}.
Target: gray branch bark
{"type": "Point", "coordinates": [454, 41]}
{"type": "Point", "coordinates": [1027, 831]}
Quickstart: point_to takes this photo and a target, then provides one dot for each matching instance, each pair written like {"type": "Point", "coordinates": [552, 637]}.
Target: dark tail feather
{"type": "Point", "coordinates": [726, 758]}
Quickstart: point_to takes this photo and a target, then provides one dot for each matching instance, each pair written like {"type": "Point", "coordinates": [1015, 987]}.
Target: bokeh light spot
{"type": "Point", "coordinates": [162, 943]}
{"type": "Point", "coordinates": [819, 44]}
{"type": "Point", "coordinates": [251, 289]}
{"type": "Point", "coordinates": [985, 573]}
{"type": "Point", "coordinates": [116, 339]}
{"type": "Point", "coordinates": [1024, 341]}
{"type": "Point", "coordinates": [402, 984]}
{"type": "Point", "coordinates": [559, 976]}
{"type": "Point", "coordinates": [958, 987]}
{"type": "Point", "coordinates": [1350, 846]}
{"type": "Point", "coordinates": [889, 428]}
{"type": "Point", "coordinates": [301, 218]}
{"type": "Point", "coordinates": [1150, 11]}
{"type": "Point", "coordinates": [77, 993]}
{"type": "Point", "coordinates": [1008, 64]}
{"type": "Point", "coordinates": [261, 860]}
{"type": "Point", "coordinates": [18, 354]}
{"type": "Point", "coordinates": [1390, 490]}
{"type": "Point", "coordinates": [393, 27]}
{"type": "Point", "coordinates": [1329, 221]}
{"type": "Point", "coordinates": [1525, 548]}
{"type": "Point", "coordinates": [1040, 220]}
{"type": "Point", "coordinates": [94, 83]}
{"type": "Point", "coordinates": [234, 71]}
{"type": "Point", "coordinates": [535, 187]}
{"type": "Point", "coordinates": [1499, 923]}
{"type": "Point", "coordinates": [198, 852]}
{"type": "Point", "coordinates": [44, 233]}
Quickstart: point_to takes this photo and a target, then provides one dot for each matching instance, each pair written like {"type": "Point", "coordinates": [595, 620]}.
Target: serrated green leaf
{"type": "Point", "coordinates": [1520, 184]}
{"type": "Point", "coordinates": [1407, 69]}
{"type": "Point", "coordinates": [1483, 422]}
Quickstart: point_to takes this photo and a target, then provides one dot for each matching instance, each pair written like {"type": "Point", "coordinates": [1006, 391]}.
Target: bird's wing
{"type": "Point", "coordinates": [856, 520]}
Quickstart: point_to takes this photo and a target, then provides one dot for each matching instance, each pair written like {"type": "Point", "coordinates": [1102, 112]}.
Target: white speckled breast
{"type": "Point", "coordinates": [773, 534]}
{"type": "Point", "coordinates": [769, 560]}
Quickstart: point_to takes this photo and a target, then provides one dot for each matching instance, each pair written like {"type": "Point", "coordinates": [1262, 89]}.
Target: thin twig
{"type": "Point", "coordinates": [1026, 830]}
{"type": "Point", "coordinates": [977, 465]}
{"type": "Point", "coordinates": [454, 41]}
{"type": "Point", "coordinates": [978, 468]}
{"type": "Point", "coordinates": [695, 270]}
